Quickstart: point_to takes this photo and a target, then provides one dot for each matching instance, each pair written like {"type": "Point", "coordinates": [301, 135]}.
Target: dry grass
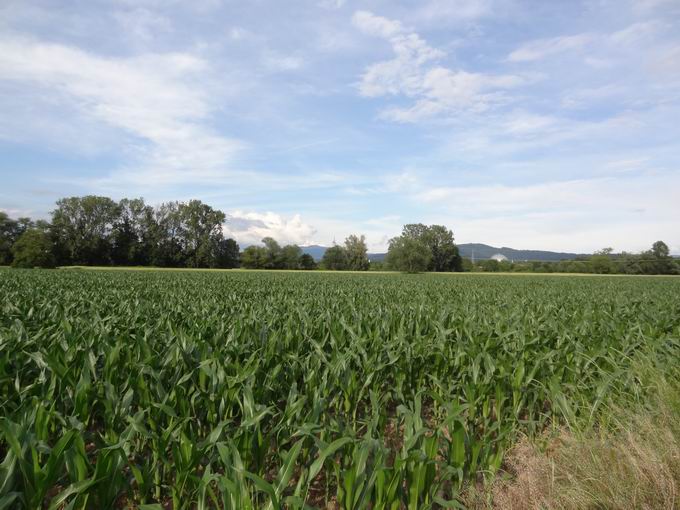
{"type": "Point", "coordinates": [634, 464]}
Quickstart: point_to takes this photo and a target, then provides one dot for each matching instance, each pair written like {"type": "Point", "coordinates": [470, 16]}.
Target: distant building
{"type": "Point", "coordinates": [499, 257]}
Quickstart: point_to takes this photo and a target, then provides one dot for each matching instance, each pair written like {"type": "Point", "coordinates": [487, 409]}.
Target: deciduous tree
{"type": "Point", "coordinates": [408, 254]}
{"type": "Point", "coordinates": [33, 249]}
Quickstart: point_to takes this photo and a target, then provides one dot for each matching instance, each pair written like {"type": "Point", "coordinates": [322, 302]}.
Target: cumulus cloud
{"type": "Point", "coordinates": [251, 227]}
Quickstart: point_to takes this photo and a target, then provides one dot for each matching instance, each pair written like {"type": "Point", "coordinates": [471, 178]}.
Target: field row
{"type": "Point", "coordinates": [245, 390]}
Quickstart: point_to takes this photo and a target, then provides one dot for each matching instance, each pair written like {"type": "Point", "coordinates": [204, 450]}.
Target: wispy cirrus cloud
{"type": "Point", "coordinates": [416, 72]}
{"type": "Point", "coordinates": [353, 121]}
{"type": "Point", "coordinates": [158, 100]}
{"type": "Point", "coordinates": [541, 48]}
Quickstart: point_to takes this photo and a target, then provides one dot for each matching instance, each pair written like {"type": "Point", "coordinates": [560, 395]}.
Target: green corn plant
{"type": "Point", "coordinates": [288, 390]}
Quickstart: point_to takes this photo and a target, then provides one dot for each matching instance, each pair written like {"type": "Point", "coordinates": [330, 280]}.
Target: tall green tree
{"type": "Point", "coordinates": [307, 262]}
{"type": "Point", "coordinates": [254, 257]}
{"type": "Point", "coordinates": [8, 236]}
{"type": "Point", "coordinates": [82, 227]}
{"type": "Point", "coordinates": [290, 256]}
{"type": "Point", "coordinates": [334, 258]}
{"type": "Point", "coordinates": [658, 260]}
{"type": "Point", "coordinates": [274, 254]}
{"type": "Point", "coordinates": [33, 248]}
{"type": "Point", "coordinates": [10, 231]}
{"type": "Point", "coordinates": [408, 254]}
{"type": "Point", "coordinates": [132, 235]}
{"type": "Point", "coordinates": [440, 241]}
{"type": "Point", "coordinates": [200, 233]}
{"type": "Point", "coordinates": [356, 253]}
{"type": "Point", "coordinates": [167, 236]}
{"type": "Point", "coordinates": [601, 261]}
{"type": "Point", "coordinates": [228, 254]}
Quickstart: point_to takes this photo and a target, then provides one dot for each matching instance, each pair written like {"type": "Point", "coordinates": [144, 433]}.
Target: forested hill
{"type": "Point", "coordinates": [484, 251]}
{"type": "Point", "coordinates": [481, 252]}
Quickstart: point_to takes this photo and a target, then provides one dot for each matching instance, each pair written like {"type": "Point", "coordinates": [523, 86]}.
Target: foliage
{"type": "Point", "coordinates": [82, 228]}
{"type": "Point", "coordinates": [352, 256]}
{"type": "Point", "coordinates": [631, 454]}
{"type": "Point", "coordinates": [291, 257]}
{"type": "Point", "coordinates": [356, 253]}
{"type": "Point", "coordinates": [273, 390]}
{"type": "Point", "coordinates": [254, 257]}
{"type": "Point", "coordinates": [95, 230]}
{"type": "Point", "coordinates": [273, 256]}
{"type": "Point", "coordinates": [33, 249]}
{"type": "Point", "coordinates": [307, 262]}
{"type": "Point", "coordinates": [10, 231]}
{"type": "Point", "coordinates": [439, 240]}
{"type": "Point", "coordinates": [334, 258]}
{"type": "Point", "coordinates": [408, 254]}
{"type": "Point", "coordinates": [132, 235]}
{"type": "Point", "coordinates": [604, 261]}
{"type": "Point", "coordinates": [227, 253]}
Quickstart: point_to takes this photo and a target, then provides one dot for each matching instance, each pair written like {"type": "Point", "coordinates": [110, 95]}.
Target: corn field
{"type": "Point", "coordinates": [239, 390]}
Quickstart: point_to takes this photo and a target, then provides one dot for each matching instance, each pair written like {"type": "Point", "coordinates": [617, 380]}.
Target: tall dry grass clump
{"type": "Point", "coordinates": [631, 463]}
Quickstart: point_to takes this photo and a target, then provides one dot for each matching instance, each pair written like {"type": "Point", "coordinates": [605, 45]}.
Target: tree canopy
{"type": "Point", "coordinates": [273, 256]}
{"type": "Point", "coordinates": [33, 248]}
{"type": "Point", "coordinates": [434, 241]}
{"type": "Point", "coordinates": [408, 254]}
{"type": "Point", "coordinates": [97, 230]}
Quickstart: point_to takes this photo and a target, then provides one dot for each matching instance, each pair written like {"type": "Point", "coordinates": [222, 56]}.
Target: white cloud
{"type": "Point", "coordinates": [452, 10]}
{"type": "Point", "coordinates": [524, 123]}
{"type": "Point", "coordinates": [239, 33]}
{"type": "Point", "coordinates": [278, 62]}
{"type": "Point", "coordinates": [161, 100]}
{"type": "Point", "coordinates": [402, 74]}
{"type": "Point", "coordinates": [142, 24]}
{"type": "Point", "coordinates": [379, 26]}
{"type": "Point", "coordinates": [414, 72]}
{"type": "Point", "coordinates": [17, 213]}
{"type": "Point", "coordinates": [251, 227]}
{"type": "Point", "coordinates": [605, 211]}
{"type": "Point", "coordinates": [541, 48]}
{"type": "Point", "coordinates": [637, 32]}
{"type": "Point", "coordinates": [332, 4]}
{"type": "Point", "coordinates": [617, 196]}
{"type": "Point", "coordinates": [585, 97]}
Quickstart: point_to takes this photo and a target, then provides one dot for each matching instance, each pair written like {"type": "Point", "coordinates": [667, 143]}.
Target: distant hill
{"type": "Point", "coordinates": [315, 251]}
{"type": "Point", "coordinates": [484, 251]}
{"type": "Point", "coordinates": [481, 252]}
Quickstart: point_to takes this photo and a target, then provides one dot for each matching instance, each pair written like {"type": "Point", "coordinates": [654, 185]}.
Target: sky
{"type": "Point", "coordinates": [524, 123]}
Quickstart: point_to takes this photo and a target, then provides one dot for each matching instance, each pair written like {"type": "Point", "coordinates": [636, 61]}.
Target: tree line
{"type": "Point", "coordinates": [99, 231]}
{"type": "Point", "coordinates": [96, 230]}
{"type": "Point", "coordinates": [656, 260]}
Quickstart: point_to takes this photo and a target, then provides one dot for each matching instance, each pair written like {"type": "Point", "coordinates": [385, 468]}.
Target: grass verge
{"type": "Point", "coordinates": [629, 459]}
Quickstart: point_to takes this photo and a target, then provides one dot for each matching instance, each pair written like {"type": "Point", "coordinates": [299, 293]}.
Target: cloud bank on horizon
{"type": "Point", "coordinates": [548, 125]}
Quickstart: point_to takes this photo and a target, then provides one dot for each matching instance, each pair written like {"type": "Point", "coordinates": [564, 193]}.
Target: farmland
{"type": "Point", "coordinates": [279, 390]}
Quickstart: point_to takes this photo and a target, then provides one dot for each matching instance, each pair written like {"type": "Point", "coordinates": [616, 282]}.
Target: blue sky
{"type": "Point", "coordinates": [524, 123]}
